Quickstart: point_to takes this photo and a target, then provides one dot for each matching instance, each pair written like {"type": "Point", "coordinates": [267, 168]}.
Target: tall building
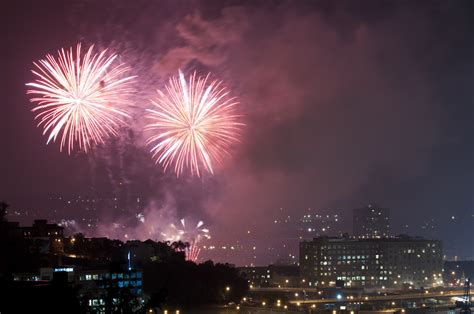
{"type": "Point", "coordinates": [388, 262]}
{"type": "Point", "coordinates": [371, 222]}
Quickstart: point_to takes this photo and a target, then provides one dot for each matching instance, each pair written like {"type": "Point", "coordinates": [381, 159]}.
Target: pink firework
{"type": "Point", "coordinates": [192, 252]}
{"type": "Point", "coordinates": [77, 96]}
{"type": "Point", "coordinates": [194, 124]}
{"type": "Point", "coordinates": [190, 235]}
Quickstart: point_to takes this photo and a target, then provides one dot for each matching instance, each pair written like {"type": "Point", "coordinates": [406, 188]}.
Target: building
{"type": "Point", "coordinates": [455, 272]}
{"type": "Point", "coordinates": [42, 229]}
{"type": "Point", "coordinates": [44, 238]}
{"type": "Point", "coordinates": [102, 289]}
{"type": "Point", "coordinates": [98, 289]}
{"type": "Point", "coordinates": [258, 276]}
{"type": "Point", "coordinates": [371, 222]}
{"type": "Point", "coordinates": [387, 262]}
{"type": "Point", "coordinates": [271, 275]}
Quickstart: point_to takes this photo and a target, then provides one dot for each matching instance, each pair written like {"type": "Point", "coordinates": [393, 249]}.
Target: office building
{"type": "Point", "coordinates": [385, 262]}
{"type": "Point", "coordinates": [98, 289]}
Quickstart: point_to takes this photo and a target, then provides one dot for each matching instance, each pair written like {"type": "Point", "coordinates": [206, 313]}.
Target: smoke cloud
{"type": "Point", "coordinates": [330, 109]}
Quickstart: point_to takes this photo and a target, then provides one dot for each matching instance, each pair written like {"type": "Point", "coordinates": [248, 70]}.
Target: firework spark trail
{"type": "Point", "coordinates": [78, 95]}
{"type": "Point", "coordinates": [192, 252]}
{"type": "Point", "coordinates": [193, 125]}
{"type": "Point", "coordinates": [192, 237]}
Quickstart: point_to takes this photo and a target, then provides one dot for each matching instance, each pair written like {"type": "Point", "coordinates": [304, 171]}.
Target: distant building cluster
{"type": "Point", "coordinates": [371, 257]}
{"type": "Point", "coordinates": [101, 275]}
{"type": "Point", "coordinates": [272, 275]}
{"type": "Point", "coordinates": [93, 280]}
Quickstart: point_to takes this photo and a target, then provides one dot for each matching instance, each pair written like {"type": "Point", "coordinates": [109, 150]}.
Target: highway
{"type": "Point", "coordinates": [392, 297]}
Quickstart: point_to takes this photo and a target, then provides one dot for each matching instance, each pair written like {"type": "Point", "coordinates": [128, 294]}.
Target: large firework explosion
{"type": "Point", "coordinates": [194, 124]}
{"type": "Point", "coordinates": [77, 95]}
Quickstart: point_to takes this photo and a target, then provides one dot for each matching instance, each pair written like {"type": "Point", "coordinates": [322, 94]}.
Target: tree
{"type": "Point", "coordinates": [179, 246]}
{"type": "Point", "coordinates": [3, 210]}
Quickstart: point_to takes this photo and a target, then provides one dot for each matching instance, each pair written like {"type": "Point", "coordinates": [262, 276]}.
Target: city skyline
{"type": "Point", "coordinates": [343, 106]}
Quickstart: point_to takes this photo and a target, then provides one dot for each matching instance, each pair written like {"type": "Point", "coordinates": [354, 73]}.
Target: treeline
{"type": "Point", "coordinates": [188, 284]}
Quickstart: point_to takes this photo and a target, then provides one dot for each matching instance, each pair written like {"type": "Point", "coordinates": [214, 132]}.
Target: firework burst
{"type": "Point", "coordinates": [192, 236]}
{"type": "Point", "coordinates": [194, 124]}
{"type": "Point", "coordinates": [77, 96]}
{"type": "Point", "coordinates": [192, 252]}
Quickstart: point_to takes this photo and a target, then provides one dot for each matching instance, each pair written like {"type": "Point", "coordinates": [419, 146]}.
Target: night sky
{"type": "Point", "coordinates": [346, 103]}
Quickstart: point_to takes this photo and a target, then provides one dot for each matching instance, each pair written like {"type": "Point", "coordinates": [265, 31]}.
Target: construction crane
{"type": "Point", "coordinates": [465, 304]}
